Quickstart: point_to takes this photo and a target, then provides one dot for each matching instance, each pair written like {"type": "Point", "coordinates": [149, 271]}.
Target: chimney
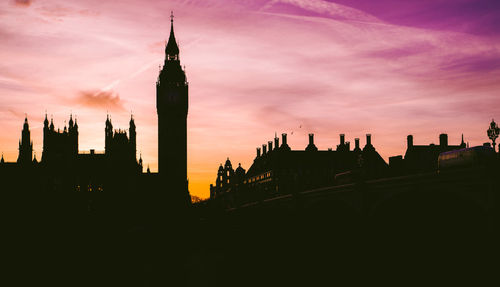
{"type": "Point", "coordinates": [270, 144]}
{"type": "Point", "coordinates": [284, 145]}
{"type": "Point", "coordinates": [311, 146]}
{"type": "Point", "coordinates": [92, 151]}
{"type": "Point", "coordinates": [348, 146]}
{"type": "Point", "coordinates": [276, 142]}
{"type": "Point", "coordinates": [356, 143]}
{"type": "Point", "coordinates": [368, 139]}
{"type": "Point", "coordinates": [258, 152]}
{"type": "Point", "coordinates": [342, 139]}
{"type": "Point", "coordinates": [264, 149]}
{"type": "Point", "coordinates": [409, 140]}
{"type": "Point", "coordinates": [443, 140]}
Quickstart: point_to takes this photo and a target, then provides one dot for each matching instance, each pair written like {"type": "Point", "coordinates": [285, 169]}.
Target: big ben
{"type": "Point", "coordinates": [172, 108]}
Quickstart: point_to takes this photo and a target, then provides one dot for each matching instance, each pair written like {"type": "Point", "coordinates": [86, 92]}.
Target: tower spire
{"type": "Point", "coordinates": [172, 50]}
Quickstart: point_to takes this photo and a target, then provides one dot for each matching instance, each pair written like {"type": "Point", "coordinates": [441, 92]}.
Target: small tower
{"type": "Point", "coordinates": [108, 135]}
{"type": "Point", "coordinates": [73, 135]}
{"type": "Point", "coordinates": [462, 143]}
{"type": "Point", "coordinates": [140, 162]}
{"type": "Point", "coordinates": [132, 140]}
{"type": "Point", "coordinates": [228, 173]}
{"type": "Point", "coordinates": [25, 145]}
{"type": "Point", "coordinates": [51, 123]}
{"type": "Point", "coordinates": [46, 131]}
{"type": "Point", "coordinates": [220, 177]}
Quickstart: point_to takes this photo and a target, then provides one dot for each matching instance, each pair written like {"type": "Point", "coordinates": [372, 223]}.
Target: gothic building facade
{"type": "Point", "coordinates": [113, 177]}
{"type": "Point", "coordinates": [63, 169]}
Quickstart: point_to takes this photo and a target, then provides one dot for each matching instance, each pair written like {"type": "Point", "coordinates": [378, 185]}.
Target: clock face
{"type": "Point", "coordinates": [173, 96]}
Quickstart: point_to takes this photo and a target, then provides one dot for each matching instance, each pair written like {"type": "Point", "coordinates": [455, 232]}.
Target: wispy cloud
{"type": "Point", "coordinates": [99, 99]}
{"type": "Point", "coordinates": [319, 8]}
{"type": "Point", "coordinates": [22, 3]}
{"type": "Point", "coordinates": [479, 63]}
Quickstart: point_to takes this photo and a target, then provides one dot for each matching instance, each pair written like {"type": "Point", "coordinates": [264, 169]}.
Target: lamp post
{"type": "Point", "coordinates": [493, 132]}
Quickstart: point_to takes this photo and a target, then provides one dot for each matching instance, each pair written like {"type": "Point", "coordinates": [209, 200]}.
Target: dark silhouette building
{"type": "Point", "coordinates": [422, 158]}
{"type": "Point", "coordinates": [64, 169]}
{"type": "Point", "coordinates": [25, 145]}
{"type": "Point", "coordinates": [227, 179]}
{"type": "Point", "coordinates": [59, 146]}
{"type": "Point", "coordinates": [279, 170]}
{"type": "Point", "coordinates": [172, 109]}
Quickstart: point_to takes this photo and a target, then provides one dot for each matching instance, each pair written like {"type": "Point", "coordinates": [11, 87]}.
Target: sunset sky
{"type": "Point", "coordinates": [386, 67]}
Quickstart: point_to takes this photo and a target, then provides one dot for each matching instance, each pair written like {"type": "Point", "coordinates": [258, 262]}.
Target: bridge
{"type": "Point", "coordinates": [467, 197]}
{"type": "Point", "coordinates": [434, 220]}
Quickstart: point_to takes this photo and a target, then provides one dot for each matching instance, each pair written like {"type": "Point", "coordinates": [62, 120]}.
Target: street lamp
{"type": "Point", "coordinates": [493, 132]}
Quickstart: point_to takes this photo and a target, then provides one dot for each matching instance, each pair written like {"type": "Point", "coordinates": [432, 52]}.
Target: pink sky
{"type": "Point", "coordinates": [253, 69]}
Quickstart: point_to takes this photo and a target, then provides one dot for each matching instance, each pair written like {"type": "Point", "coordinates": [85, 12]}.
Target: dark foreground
{"type": "Point", "coordinates": [422, 238]}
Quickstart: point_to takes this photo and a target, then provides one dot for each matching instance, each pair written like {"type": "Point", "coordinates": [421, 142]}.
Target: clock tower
{"type": "Point", "coordinates": [172, 109]}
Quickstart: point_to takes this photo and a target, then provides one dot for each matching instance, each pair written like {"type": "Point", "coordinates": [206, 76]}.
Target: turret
{"type": "Point", "coordinates": [140, 162]}
{"type": "Point", "coordinates": [228, 165]}
{"type": "Point", "coordinates": [132, 134]}
{"type": "Point", "coordinates": [25, 145]}
{"type": "Point", "coordinates": [73, 134]}
{"type": "Point", "coordinates": [45, 123]}
{"type": "Point", "coordinates": [51, 123]}
{"type": "Point", "coordinates": [228, 172]}
{"type": "Point", "coordinates": [108, 135]}
{"type": "Point", "coordinates": [220, 176]}
{"type": "Point", "coordinates": [240, 174]}
{"type": "Point", "coordinates": [45, 135]}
